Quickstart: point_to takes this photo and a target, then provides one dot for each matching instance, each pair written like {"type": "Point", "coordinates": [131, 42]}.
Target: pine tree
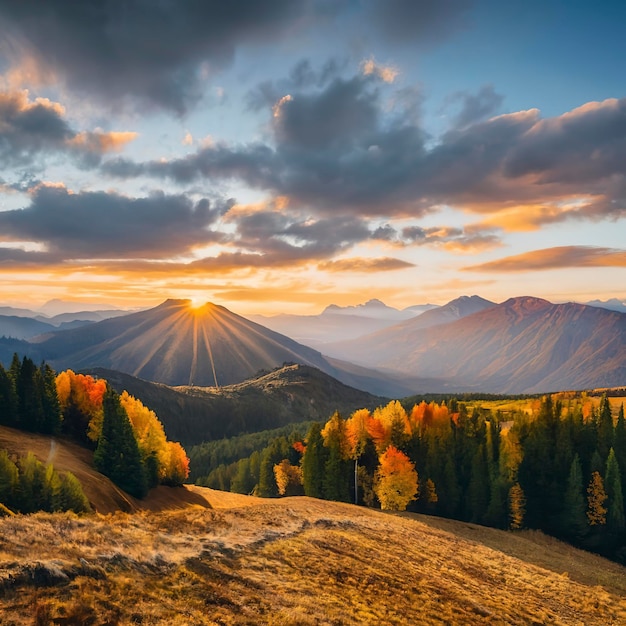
{"type": "Point", "coordinates": [51, 415]}
{"type": "Point", "coordinates": [619, 440]}
{"type": "Point", "coordinates": [242, 482]}
{"type": "Point", "coordinates": [574, 519]}
{"type": "Point", "coordinates": [117, 454]}
{"type": "Point", "coordinates": [9, 478]}
{"type": "Point", "coordinates": [605, 427]}
{"type": "Point", "coordinates": [72, 496]}
{"type": "Point", "coordinates": [313, 463]}
{"type": "Point", "coordinates": [8, 399]}
{"type": "Point", "coordinates": [615, 501]}
{"type": "Point", "coordinates": [479, 492]}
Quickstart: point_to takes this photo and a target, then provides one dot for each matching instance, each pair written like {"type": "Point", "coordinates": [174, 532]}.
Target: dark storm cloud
{"type": "Point", "coordinates": [419, 21]}
{"type": "Point", "coordinates": [108, 225]}
{"type": "Point", "coordinates": [302, 76]}
{"type": "Point", "coordinates": [281, 239]}
{"type": "Point", "coordinates": [475, 107]}
{"type": "Point", "coordinates": [580, 146]}
{"type": "Point", "coordinates": [151, 51]}
{"type": "Point", "coordinates": [555, 258]}
{"type": "Point", "coordinates": [31, 130]}
{"type": "Point", "coordinates": [339, 150]}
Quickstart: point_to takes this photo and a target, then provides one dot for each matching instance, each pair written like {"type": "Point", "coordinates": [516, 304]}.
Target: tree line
{"type": "Point", "coordinates": [129, 442]}
{"type": "Point", "coordinates": [28, 485]}
{"type": "Point", "coordinates": [560, 468]}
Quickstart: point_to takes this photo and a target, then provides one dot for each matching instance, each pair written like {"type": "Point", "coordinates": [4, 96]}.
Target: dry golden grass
{"type": "Point", "coordinates": [294, 561]}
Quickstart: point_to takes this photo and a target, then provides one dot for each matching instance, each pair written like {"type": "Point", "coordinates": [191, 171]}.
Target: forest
{"type": "Point", "coordinates": [128, 440]}
{"type": "Point", "coordinates": [558, 466]}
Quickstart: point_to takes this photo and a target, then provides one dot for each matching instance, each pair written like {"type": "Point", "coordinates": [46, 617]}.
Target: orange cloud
{"type": "Point", "coordinates": [360, 264]}
{"type": "Point", "coordinates": [555, 258]}
{"type": "Point", "coordinates": [99, 142]}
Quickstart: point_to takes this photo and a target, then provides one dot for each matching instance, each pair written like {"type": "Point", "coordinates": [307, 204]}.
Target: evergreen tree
{"type": "Point", "coordinates": [314, 462]}
{"type": "Point", "coordinates": [51, 416]}
{"type": "Point", "coordinates": [9, 478]}
{"type": "Point", "coordinates": [72, 496]}
{"type": "Point", "coordinates": [8, 399]}
{"type": "Point", "coordinates": [619, 439]}
{"type": "Point", "coordinates": [117, 454]}
{"type": "Point", "coordinates": [31, 483]}
{"type": "Point", "coordinates": [29, 400]}
{"type": "Point", "coordinates": [615, 501]}
{"type": "Point", "coordinates": [243, 481]}
{"type": "Point", "coordinates": [478, 493]}
{"type": "Point", "coordinates": [278, 450]}
{"type": "Point", "coordinates": [574, 519]}
{"type": "Point", "coordinates": [604, 427]}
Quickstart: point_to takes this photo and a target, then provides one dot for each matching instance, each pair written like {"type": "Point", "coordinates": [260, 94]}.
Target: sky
{"type": "Point", "coordinates": [282, 155]}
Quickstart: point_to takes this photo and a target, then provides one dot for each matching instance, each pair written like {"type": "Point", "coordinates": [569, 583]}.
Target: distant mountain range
{"type": "Point", "coordinates": [524, 345]}
{"type": "Point", "coordinates": [337, 323]}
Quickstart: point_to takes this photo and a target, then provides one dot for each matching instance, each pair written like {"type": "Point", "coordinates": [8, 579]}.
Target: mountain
{"type": "Point", "coordinates": [292, 561]}
{"type": "Point", "coordinates": [59, 307]}
{"type": "Point", "coordinates": [22, 327]}
{"type": "Point", "coordinates": [337, 323]}
{"type": "Point", "coordinates": [358, 349]}
{"type": "Point", "coordinates": [375, 309]}
{"type": "Point", "coordinates": [176, 344]}
{"type": "Point", "coordinates": [524, 345]}
{"type": "Point", "coordinates": [614, 304]}
{"type": "Point", "coordinates": [292, 393]}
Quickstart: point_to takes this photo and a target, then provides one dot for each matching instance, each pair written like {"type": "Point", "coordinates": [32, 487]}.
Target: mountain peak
{"type": "Point", "coordinates": [527, 304]}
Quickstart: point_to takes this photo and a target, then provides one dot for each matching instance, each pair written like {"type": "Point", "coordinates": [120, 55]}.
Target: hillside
{"type": "Point", "coordinates": [296, 561]}
{"type": "Point", "coordinates": [103, 495]}
{"type": "Point", "coordinates": [289, 394]}
{"type": "Point", "coordinates": [524, 345]}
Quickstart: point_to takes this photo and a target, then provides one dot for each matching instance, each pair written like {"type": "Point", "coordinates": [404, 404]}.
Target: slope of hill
{"type": "Point", "coordinates": [103, 495]}
{"type": "Point", "coordinates": [296, 561]}
{"type": "Point", "coordinates": [22, 327]}
{"type": "Point", "coordinates": [293, 393]}
{"type": "Point", "coordinates": [524, 345]}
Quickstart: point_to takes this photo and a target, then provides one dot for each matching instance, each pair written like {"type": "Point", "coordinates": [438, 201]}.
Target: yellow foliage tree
{"type": "Point", "coordinates": [288, 478]}
{"type": "Point", "coordinates": [177, 468]}
{"type": "Point", "coordinates": [596, 497]}
{"type": "Point", "coordinates": [396, 481]}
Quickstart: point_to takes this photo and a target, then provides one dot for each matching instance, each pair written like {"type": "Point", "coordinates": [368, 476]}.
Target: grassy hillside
{"type": "Point", "coordinates": [295, 561]}
{"type": "Point", "coordinates": [103, 495]}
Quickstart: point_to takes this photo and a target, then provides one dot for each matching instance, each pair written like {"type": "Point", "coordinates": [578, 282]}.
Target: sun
{"type": "Point", "coordinates": [196, 302]}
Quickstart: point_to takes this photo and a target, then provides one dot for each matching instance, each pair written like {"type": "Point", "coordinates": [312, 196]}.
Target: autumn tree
{"type": "Point", "coordinates": [176, 468]}
{"type": "Point", "coordinates": [288, 478]}
{"type": "Point", "coordinates": [517, 507]}
{"type": "Point", "coordinates": [396, 481]}
{"type": "Point", "coordinates": [596, 498]}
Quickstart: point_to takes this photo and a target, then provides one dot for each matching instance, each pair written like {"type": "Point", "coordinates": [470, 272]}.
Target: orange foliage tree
{"type": "Point", "coordinates": [80, 397]}
{"type": "Point", "coordinates": [288, 478]}
{"type": "Point", "coordinates": [396, 481]}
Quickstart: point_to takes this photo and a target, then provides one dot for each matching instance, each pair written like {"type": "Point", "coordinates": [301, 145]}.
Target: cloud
{"type": "Point", "coordinates": [97, 225]}
{"type": "Point", "coordinates": [555, 258]}
{"type": "Point", "coordinates": [426, 21]}
{"type": "Point", "coordinates": [361, 264]}
{"type": "Point", "coordinates": [154, 53]}
{"type": "Point", "coordinates": [30, 130]}
{"type": "Point", "coordinates": [475, 107]}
